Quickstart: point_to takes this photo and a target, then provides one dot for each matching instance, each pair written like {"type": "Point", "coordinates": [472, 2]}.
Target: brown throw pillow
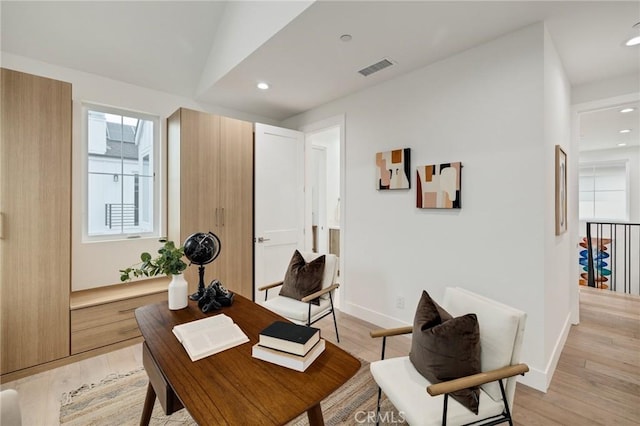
{"type": "Point", "coordinates": [303, 278]}
{"type": "Point", "coordinates": [445, 348]}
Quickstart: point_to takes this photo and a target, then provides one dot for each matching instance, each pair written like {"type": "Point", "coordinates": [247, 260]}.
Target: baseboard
{"type": "Point", "coordinates": [376, 318]}
{"type": "Point", "coordinates": [540, 380]}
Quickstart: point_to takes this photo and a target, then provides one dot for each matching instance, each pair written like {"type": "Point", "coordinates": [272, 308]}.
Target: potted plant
{"type": "Point", "coordinates": [168, 262]}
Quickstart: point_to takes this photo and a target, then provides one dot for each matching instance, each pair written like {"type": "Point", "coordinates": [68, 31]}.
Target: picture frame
{"type": "Point", "coordinates": [439, 186]}
{"type": "Point", "coordinates": [561, 191]}
{"type": "Point", "coordinates": [392, 169]}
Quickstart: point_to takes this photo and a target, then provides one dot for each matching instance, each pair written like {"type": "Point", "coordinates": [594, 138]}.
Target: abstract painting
{"type": "Point", "coordinates": [561, 191]}
{"type": "Point", "coordinates": [439, 186]}
{"type": "Point", "coordinates": [601, 261]}
{"type": "Point", "coordinates": [393, 169]}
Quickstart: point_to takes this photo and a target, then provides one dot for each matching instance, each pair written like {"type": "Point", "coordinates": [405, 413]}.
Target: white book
{"type": "Point", "coordinates": [285, 359]}
{"type": "Point", "coordinates": [209, 336]}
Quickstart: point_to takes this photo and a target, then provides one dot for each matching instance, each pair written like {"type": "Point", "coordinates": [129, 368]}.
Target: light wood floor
{"type": "Point", "coordinates": [597, 381]}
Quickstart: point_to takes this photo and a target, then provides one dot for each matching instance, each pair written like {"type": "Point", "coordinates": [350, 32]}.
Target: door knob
{"type": "Point", "coordinates": [262, 239]}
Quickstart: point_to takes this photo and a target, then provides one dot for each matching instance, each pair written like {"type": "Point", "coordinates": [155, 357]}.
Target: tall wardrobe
{"type": "Point", "coordinates": [210, 188]}
{"type": "Point", "coordinates": [35, 220]}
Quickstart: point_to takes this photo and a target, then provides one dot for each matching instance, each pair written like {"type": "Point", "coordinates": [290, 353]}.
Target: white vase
{"type": "Point", "coordinates": [178, 292]}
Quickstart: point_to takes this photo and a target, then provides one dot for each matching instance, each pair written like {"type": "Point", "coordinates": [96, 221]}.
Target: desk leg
{"type": "Point", "coordinates": [315, 415]}
{"type": "Point", "coordinates": [149, 400]}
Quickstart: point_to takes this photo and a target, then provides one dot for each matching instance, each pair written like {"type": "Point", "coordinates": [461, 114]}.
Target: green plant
{"type": "Point", "coordinates": [169, 262]}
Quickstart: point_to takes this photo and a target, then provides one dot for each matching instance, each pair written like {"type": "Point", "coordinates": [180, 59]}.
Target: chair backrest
{"type": "Point", "coordinates": [330, 267]}
{"type": "Point", "coordinates": [501, 333]}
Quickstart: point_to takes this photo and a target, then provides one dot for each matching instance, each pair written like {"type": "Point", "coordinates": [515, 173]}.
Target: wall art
{"type": "Point", "coordinates": [393, 169]}
{"type": "Point", "coordinates": [438, 186]}
{"type": "Point", "coordinates": [601, 248]}
{"type": "Point", "coordinates": [561, 191]}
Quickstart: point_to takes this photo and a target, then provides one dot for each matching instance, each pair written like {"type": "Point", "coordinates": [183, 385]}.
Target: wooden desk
{"type": "Point", "coordinates": [232, 387]}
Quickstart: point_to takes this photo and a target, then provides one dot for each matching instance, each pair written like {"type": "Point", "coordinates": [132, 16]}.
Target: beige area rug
{"type": "Point", "coordinates": [118, 400]}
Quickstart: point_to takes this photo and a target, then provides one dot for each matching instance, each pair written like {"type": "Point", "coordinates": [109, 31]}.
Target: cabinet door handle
{"type": "Point", "coordinates": [125, 311]}
{"type": "Point", "coordinates": [216, 216]}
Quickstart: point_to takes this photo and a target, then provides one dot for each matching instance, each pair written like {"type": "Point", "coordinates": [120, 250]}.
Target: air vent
{"type": "Point", "coordinates": [376, 67]}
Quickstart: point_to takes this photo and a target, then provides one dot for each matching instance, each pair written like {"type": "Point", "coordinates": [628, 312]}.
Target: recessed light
{"type": "Point", "coordinates": [262, 85]}
{"type": "Point", "coordinates": [345, 37]}
{"type": "Point", "coordinates": [626, 110]}
{"type": "Point", "coordinates": [625, 131]}
{"type": "Point", "coordinates": [622, 144]}
{"type": "Point", "coordinates": [634, 41]}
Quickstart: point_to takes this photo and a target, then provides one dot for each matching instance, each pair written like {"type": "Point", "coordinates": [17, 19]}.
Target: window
{"type": "Point", "coordinates": [121, 199]}
{"type": "Point", "coordinates": [603, 192]}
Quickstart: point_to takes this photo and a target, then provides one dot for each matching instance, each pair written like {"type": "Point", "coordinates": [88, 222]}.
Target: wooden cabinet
{"type": "Point", "coordinates": [210, 168]}
{"type": "Point", "coordinates": [104, 324]}
{"type": "Point", "coordinates": [35, 213]}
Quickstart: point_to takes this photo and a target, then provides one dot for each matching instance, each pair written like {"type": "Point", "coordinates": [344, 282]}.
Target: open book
{"type": "Point", "coordinates": [209, 336]}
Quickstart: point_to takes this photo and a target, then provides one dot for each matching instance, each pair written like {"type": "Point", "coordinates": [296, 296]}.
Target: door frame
{"type": "Point", "coordinates": [318, 126]}
{"type": "Point", "coordinates": [576, 111]}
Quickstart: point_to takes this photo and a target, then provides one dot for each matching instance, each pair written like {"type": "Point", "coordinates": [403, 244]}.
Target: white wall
{"type": "Point", "coordinates": [485, 108]}
{"type": "Point", "coordinates": [97, 264]}
{"type": "Point", "coordinates": [560, 257]}
{"type": "Point", "coordinates": [622, 85]}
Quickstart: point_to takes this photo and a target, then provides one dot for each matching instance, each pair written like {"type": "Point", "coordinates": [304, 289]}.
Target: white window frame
{"type": "Point", "coordinates": [596, 164]}
{"type": "Point", "coordinates": [158, 210]}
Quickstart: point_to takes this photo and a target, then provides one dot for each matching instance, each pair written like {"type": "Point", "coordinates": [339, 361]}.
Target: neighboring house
{"type": "Point", "coordinates": [119, 185]}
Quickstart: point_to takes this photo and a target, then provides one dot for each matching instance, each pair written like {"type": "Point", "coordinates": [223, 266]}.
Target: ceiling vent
{"type": "Point", "coordinates": [376, 67]}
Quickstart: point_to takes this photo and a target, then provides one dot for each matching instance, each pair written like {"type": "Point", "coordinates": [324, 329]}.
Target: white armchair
{"type": "Point", "coordinates": [423, 403]}
{"type": "Point", "coordinates": [304, 311]}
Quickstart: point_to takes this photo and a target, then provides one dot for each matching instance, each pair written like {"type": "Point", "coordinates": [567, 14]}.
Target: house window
{"type": "Point", "coordinates": [603, 192]}
{"type": "Point", "coordinates": [121, 197]}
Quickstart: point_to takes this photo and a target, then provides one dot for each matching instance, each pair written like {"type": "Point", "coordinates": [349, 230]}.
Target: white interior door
{"type": "Point", "coordinates": [279, 202]}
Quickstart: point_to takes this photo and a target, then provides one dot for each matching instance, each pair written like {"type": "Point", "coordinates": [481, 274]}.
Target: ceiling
{"type": "Point", "coordinates": [216, 52]}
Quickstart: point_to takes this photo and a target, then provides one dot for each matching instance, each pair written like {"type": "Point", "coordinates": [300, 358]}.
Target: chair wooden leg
{"type": "Point", "coordinates": [149, 400]}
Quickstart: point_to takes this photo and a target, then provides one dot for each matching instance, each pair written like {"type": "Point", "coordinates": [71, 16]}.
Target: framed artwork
{"type": "Point", "coordinates": [561, 191]}
{"type": "Point", "coordinates": [439, 186]}
{"type": "Point", "coordinates": [393, 169]}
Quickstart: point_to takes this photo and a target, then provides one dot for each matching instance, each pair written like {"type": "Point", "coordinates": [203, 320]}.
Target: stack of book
{"type": "Point", "coordinates": [289, 345]}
